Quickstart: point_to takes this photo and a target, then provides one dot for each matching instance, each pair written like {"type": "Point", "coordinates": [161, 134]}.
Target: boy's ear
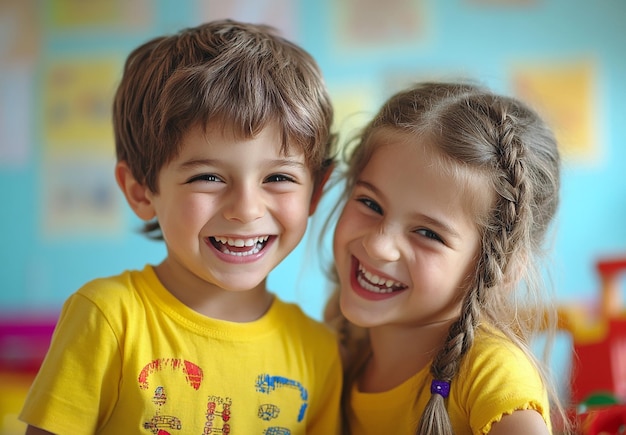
{"type": "Point", "coordinates": [319, 189]}
{"type": "Point", "coordinates": [137, 195]}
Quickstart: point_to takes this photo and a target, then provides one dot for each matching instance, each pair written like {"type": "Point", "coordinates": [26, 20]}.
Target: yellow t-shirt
{"type": "Point", "coordinates": [129, 358]}
{"type": "Point", "coordinates": [495, 378]}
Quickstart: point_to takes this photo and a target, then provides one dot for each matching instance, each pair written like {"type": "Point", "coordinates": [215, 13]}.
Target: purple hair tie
{"type": "Point", "coordinates": [440, 387]}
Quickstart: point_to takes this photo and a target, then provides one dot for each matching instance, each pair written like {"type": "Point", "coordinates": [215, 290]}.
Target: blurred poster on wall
{"type": "Point", "coordinates": [90, 15]}
{"type": "Point", "coordinates": [371, 24]}
{"type": "Point", "coordinates": [77, 98]}
{"type": "Point", "coordinates": [80, 196]}
{"type": "Point", "coordinates": [19, 31]}
{"type": "Point", "coordinates": [280, 14]}
{"type": "Point", "coordinates": [19, 48]}
{"type": "Point", "coordinates": [15, 109]}
{"type": "Point", "coordinates": [565, 93]}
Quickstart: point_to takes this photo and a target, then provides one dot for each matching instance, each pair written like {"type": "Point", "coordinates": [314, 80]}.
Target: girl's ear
{"type": "Point", "coordinates": [137, 195]}
{"type": "Point", "coordinates": [319, 189]}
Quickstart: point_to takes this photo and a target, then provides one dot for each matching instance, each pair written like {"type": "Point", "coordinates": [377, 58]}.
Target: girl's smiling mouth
{"type": "Point", "coordinates": [374, 283]}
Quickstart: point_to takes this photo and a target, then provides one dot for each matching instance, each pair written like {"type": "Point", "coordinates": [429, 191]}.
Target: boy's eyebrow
{"type": "Point", "coordinates": [429, 219]}
{"type": "Point", "coordinates": [194, 163]}
{"type": "Point", "coordinates": [286, 162]}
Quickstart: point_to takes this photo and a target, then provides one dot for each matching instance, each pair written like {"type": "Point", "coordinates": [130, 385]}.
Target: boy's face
{"type": "Point", "coordinates": [231, 209]}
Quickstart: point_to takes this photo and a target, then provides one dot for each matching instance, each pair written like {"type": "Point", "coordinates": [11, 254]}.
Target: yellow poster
{"type": "Point", "coordinates": [354, 106]}
{"type": "Point", "coordinates": [565, 94]}
{"type": "Point", "coordinates": [77, 100]}
{"type": "Point", "coordinates": [79, 194]}
{"type": "Point", "coordinates": [103, 14]}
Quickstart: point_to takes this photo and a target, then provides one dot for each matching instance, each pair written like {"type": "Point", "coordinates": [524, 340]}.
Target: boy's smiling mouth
{"type": "Point", "coordinates": [376, 284]}
{"type": "Point", "coordinates": [239, 247]}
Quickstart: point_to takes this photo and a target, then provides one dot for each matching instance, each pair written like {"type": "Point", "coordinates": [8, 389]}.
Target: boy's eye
{"type": "Point", "coordinates": [277, 178]}
{"type": "Point", "coordinates": [429, 234]}
{"type": "Point", "coordinates": [210, 178]}
{"type": "Point", "coordinates": [371, 204]}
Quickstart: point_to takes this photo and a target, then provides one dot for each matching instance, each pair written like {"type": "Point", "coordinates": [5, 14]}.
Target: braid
{"type": "Point", "coordinates": [446, 365]}
{"type": "Point", "coordinates": [513, 186]}
{"type": "Point", "coordinates": [501, 238]}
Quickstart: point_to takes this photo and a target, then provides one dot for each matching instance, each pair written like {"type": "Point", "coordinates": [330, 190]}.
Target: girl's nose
{"type": "Point", "coordinates": [245, 204]}
{"type": "Point", "coordinates": [382, 245]}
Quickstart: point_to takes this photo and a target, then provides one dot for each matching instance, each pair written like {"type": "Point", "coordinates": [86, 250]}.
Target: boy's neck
{"type": "Point", "coordinates": [214, 302]}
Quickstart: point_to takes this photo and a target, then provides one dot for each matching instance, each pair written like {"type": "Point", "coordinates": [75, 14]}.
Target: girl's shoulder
{"type": "Point", "coordinates": [497, 377]}
{"type": "Point", "coordinates": [492, 346]}
{"type": "Point", "coordinates": [495, 359]}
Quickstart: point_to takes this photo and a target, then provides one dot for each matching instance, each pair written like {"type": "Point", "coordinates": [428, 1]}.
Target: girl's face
{"type": "Point", "coordinates": [406, 242]}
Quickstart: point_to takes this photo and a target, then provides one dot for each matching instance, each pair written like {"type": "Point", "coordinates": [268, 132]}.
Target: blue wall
{"type": "Point", "coordinates": [457, 38]}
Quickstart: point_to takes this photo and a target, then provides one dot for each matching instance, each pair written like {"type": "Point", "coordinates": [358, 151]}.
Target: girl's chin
{"type": "Point", "coordinates": [357, 314]}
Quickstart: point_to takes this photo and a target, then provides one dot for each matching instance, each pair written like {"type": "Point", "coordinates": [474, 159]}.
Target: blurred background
{"type": "Point", "coordinates": [64, 222]}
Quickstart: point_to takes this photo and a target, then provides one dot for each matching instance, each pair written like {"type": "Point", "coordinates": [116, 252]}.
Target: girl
{"type": "Point", "coordinates": [450, 192]}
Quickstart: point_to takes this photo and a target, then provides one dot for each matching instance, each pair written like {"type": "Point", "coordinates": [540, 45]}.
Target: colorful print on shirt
{"type": "Point", "coordinates": [219, 409]}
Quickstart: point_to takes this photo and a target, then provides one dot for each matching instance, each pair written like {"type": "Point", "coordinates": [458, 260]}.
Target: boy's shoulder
{"type": "Point", "coordinates": [295, 319]}
{"type": "Point", "coordinates": [116, 288]}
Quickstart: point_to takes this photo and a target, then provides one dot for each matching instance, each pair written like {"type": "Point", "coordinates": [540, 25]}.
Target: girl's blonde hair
{"type": "Point", "coordinates": [500, 143]}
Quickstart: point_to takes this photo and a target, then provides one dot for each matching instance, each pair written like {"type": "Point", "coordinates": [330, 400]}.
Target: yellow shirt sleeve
{"type": "Point", "coordinates": [85, 354]}
{"type": "Point", "coordinates": [501, 379]}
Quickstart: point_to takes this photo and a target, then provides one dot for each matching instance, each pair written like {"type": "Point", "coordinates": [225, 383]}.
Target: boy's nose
{"type": "Point", "coordinates": [245, 204]}
{"type": "Point", "coordinates": [381, 245]}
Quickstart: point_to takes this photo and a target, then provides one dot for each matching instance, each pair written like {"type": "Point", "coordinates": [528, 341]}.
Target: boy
{"type": "Point", "coordinates": [223, 140]}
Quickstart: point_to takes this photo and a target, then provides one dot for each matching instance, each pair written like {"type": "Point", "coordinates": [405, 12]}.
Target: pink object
{"type": "Point", "coordinates": [24, 340]}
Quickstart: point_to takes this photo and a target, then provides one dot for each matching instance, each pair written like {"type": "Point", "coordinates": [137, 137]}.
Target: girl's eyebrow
{"type": "Point", "coordinates": [444, 227]}
{"type": "Point", "coordinates": [368, 186]}
{"type": "Point", "coordinates": [441, 225]}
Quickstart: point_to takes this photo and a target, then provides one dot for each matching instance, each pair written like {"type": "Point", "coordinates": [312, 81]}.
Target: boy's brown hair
{"type": "Point", "coordinates": [239, 76]}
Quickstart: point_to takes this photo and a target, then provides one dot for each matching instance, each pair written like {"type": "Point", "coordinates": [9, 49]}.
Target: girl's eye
{"type": "Point", "coordinates": [209, 178]}
{"type": "Point", "coordinates": [371, 204]}
{"type": "Point", "coordinates": [277, 178]}
{"type": "Point", "coordinates": [429, 234]}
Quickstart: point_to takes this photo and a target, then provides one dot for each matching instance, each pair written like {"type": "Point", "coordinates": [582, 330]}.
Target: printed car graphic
{"type": "Point", "coordinates": [162, 422]}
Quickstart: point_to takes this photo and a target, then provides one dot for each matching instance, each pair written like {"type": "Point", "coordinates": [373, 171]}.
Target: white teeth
{"type": "Point", "coordinates": [375, 283]}
{"type": "Point", "coordinates": [241, 254]}
{"type": "Point", "coordinates": [367, 286]}
{"type": "Point", "coordinates": [255, 242]}
{"type": "Point", "coordinates": [240, 243]}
